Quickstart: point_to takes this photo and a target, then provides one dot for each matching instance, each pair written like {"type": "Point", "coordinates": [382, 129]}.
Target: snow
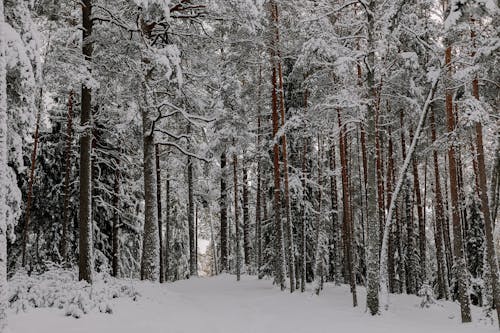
{"type": "Point", "coordinates": [220, 304]}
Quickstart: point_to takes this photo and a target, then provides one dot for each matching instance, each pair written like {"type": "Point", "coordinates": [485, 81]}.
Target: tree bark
{"type": "Point", "coordinates": [3, 174]}
{"type": "Point", "coordinates": [485, 208]}
{"type": "Point", "coordinates": [30, 184]}
{"type": "Point", "coordinates": [193, 269]}
{"type": "Point", "coordinates": [223, 213]}
{"type": "Point", "coordinates": [85, 263]}
{"type": "Point", "coordinates": [116, 224]}
{"type": "Point", "coordinates": [151, 243]}
{"type": "Point", "coordinates": [460, 265]}
{"type": "Point", "coordinates": [246, 219]}
{"type": "Point", "coordinates": [443, 286]}
{"type": "Point", "coordinates": [158, 199]}
{"type": "Point", "coordinates": [236, 217]}
{"type": "Point", "coordinates": [279, 262]}
{"type": "Point", "coordinates": [69, 137]}
{"type": "Point", "coordinates": [348, 239]}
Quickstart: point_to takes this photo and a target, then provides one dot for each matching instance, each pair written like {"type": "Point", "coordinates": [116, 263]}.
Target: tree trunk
{"type": "Point", "coordinates": [85, 263]}
{"type": "Point", "coordinates": [158, 199]}
{"type": "Point", "coordinates": [3, 174]}
{"type": "Point", "coordinates": [348, 239]}
{"type": "Point", "coordinates": [116, 224]}
{"type": "Point", "coordinates": [151, 247]}
{"type": "Point", "coordinates": [336, 235]}
{"type": "Point", "coordinates": [279, 262]}
{"type": "Point", "coordinates": [193, 269]}
{"type": "Point", "coordinates": [372, 219]}
{"type": "Point", "coordinates": [421, 222]}
{"type": "Point", "coordinates": [485, 208]}
{"type": "Point", "coordinates": [69, 137]}
{"type": "Point", "coordinates": [167, 228]}
{"type": "Point", "coordinates": [460, 265]}
{"type": "Point", "coordinates": [320, 237]}
{"type": "Point", "coordinates": [289, 226]}
{"type": "Point", "coordinates": [223, 213]}
{"type": "Point", "coordinates": [30, 184]}
{"type": "Point", "coordinates": [236, 217]}
{"type": "Point", "coordinates": [246, 219]}
{"type": "Point", "coordinates": [443, 286]}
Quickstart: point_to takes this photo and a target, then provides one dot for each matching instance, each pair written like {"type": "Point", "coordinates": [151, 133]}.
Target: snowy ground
{"type": "Point", "coordinates": [220, 304]}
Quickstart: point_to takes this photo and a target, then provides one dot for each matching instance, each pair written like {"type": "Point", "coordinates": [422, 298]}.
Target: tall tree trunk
{"type": "Point", "coordinates": [421, 222]}
{"type": "Point", "coordinates": [246, 219]}
{"type": "Point", "coordinates": [223, 213]}
{"type": "Point", "coordinates": [150, 267]}
{"type": "Point", "coordinates": [401, 178]}
{"type": "Point", "coordinates": [372, 219]}
{"type": "Point", "coordinates": [460, 265]}
{"type": "Point", "coordinates": [320, 232]}
{"type": "Point", "coordinates": [348, 239]}
{"type": "Point", "coordinates": [116, 224]}
{"type": "Point", "coordinates": [258, 212]}
{"type": "Point", "coordinates": [158, 199]}
{"type": "Point", "coordinates": [167, 228]}
{"type": "Point", "coordinates": [3, 174]}
{"type": "Point", "coordinates": [289, 226]}
{"type": "Point", "coordinates": [30, 184]}
{"type": "Point", "coordinates": [336, 235]}
{"type": "Point", "coordinates": [193, 269]}
{"type": "Point", "coordinates": [390, 183]}
{"type": "Point", "coordinates": [443, 286]}
{"type": "Point", "coordinates": [236, 217]}
{"type": "Point", "coordinates": [280, 270]}
{"type": "Point", "coordinates": [67, 157]}
{"type": "Point", "coordinates": [485, 208]}
{"type": "Point", "coordinates": [85, 263]}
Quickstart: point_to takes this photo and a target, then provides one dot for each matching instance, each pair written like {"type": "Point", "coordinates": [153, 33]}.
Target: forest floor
{"type": "Point", "coordinates": [220, 304]}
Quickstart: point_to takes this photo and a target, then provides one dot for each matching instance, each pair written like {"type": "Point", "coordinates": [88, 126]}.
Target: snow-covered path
{"type": "Point", "coordinates": [220, 304]}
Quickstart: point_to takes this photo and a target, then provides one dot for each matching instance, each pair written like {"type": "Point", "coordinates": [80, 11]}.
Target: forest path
{"type": "Point", "coordinates": [221, 304]}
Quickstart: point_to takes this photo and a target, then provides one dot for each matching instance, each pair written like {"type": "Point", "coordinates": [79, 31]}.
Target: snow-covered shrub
{"type": "Point", "coordinates": [60, 288]}
{"type": "Point", "coordinates": [428, 297]}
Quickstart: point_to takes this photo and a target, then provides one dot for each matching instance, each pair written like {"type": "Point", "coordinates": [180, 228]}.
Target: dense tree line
{"type": "Point", "coordinates": [351, 142]}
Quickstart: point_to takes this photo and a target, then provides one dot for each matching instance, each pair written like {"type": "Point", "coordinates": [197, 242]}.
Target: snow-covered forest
{"type": "Point", "coordinates": [185, 165]}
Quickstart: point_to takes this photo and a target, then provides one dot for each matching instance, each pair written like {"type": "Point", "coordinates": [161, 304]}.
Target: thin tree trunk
{"type": "Point", "coordinates": [401, 178]}
{"type": "Point", "coordinates": [485, 208]}
{"type": "Point", "coordinates": [347, 210]}
{"type": "Point", "coordinates": [236, 217]}
{"type": "Point", "coordinates": [336, 235]}
{"type": "Point", "coordinates": [167, 228]}
{"type": "Point", "coordinates": [246, 219]}
{"type": "Point", "coordinates": [3, 174]}
{"type": "Point", "coordinates": [223, 213]}
{"type": "Point", "coordinates": [289, 226]}
{"type": "Point", "coordinates": [320, 237]}
{"type": "Point", "coordinates": [158, 199]}
{"type": "Point", "coordinates": [421, 222]}
{"type": "Point", "coordinates": [85, 263]}
{"type": "Point", "coordinates": [151, 247]}
{"type": "Point", "coordinates": [193, 269]}
{"type": "Point", "coordinates": [30, 184]}
{"type": "Point", "coordinates": [280, 269]}
{"type": "Point", "coordinates": [460, 265]}
{"type": "Point", "coordinates": [69, 138]}
{"type": "Point", "coordinates": [444, 290]}
{"type": "Point", "coordinates": [372, 298]}
{"type": "Point", "coordinates": [116, 224]}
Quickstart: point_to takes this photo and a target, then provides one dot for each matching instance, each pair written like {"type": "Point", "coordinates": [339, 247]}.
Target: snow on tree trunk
{"type": "Point", "coordinates": [85, 264]}
{"type": "Point", "coordinates": [372, 300]}
{"type": "Point", "coordinates": [151, 242]}
{"type": "Point", "coordinates": [384, 293]}
{"type": "Point", "coordinates": [3, 173]}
